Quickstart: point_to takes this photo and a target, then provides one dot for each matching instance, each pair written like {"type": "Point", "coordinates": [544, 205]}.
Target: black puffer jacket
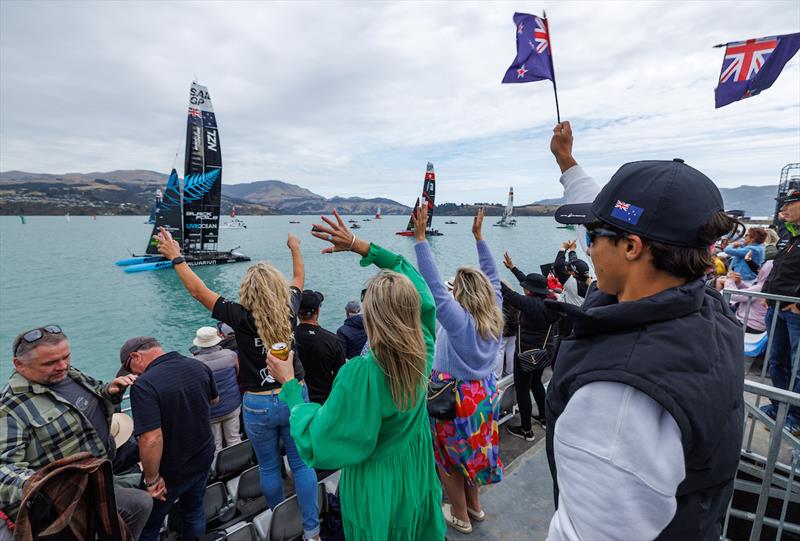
{"type": "Point", "coordinates": [352, 336]}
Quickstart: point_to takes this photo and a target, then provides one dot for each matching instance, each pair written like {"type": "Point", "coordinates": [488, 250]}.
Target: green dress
{"type": "Point", "coordinates": [389, 489]}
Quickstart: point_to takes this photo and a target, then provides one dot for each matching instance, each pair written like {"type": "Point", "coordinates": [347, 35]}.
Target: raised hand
{"type": "Point", "coordinates": [118, 385]}
{"type": "Point", "coordinates": [420, 219]}
{"type": "Point", "coordinates": [339, 235]}
{"type": "Point", "coordinates": [561, 145]}
{"type": "Point", "coordinates": [477, 223]}
{"type": "Point", "coordinates": [507, 261]}
{"type": "Point", "coordinates": [292, 242]}
{"type": "Point", "coordinates": [167, 246]}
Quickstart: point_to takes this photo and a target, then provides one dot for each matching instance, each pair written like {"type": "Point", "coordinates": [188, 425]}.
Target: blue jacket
{"type": "Point", "coordinates": [352, 336]}
{"type": "Point", "coordinates": [738, 264]}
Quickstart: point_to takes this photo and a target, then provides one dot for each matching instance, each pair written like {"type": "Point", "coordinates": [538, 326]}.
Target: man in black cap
{"type": "Point", "coordinates": [645, 407]}
{"type": "Point", "coordinates": [171, 406]}
{"type": "Point", "coordinates": [536, 330]}
{"type": "Point", "coordinates": [320, 350]}
{"type": "Point", "coordinates": [784, 279]}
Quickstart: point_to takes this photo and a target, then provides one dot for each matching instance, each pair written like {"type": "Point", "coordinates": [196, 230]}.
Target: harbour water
{"type": "Point", "coordinates": [54, 271]}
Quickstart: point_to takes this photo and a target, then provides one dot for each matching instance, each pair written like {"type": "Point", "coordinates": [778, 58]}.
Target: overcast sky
{"type": "Point", "coordinates": [353, 98]}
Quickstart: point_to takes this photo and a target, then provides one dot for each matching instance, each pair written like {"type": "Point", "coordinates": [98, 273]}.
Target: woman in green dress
{"type": "Point", "coordinates": [374, 426]}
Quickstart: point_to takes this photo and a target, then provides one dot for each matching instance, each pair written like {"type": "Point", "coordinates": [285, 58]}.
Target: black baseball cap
{"type": "Point", "coordinates": [535, 283]}
{"type": "Point", "coordinates": [664, 201]}
{"type": "Point", "coordinates": [790, 197]}
{"type": "Point", "coordinates": [310, 301]}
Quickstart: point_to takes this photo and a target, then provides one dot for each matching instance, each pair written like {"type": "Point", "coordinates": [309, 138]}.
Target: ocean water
{"type": "Point", "coordinates": [54, 271]}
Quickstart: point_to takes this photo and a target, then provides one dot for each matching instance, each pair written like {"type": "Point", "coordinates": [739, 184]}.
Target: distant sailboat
{"type": "Point", "coordinates": [378, 214]}
{"type": "Point", "coordinates": [67, 217]}
{"type": "Point", "coordinates": [507, 219]}
{"type": "Point", "coordinates": [190, 210]}
{"type": "Point", "coordinates": [234, 223]}
{"type": "Point", "coordinates": [428, 198]}
{"type": "Point", "coordinates": [22, 218]}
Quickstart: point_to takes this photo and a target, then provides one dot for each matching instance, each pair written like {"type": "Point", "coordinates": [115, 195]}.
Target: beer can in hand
{"type": "Point", "coordinates": [280, 350]}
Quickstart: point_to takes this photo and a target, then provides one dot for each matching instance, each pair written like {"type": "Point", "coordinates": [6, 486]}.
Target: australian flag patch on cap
{"type": "Point", "coordinates": [627, 212]}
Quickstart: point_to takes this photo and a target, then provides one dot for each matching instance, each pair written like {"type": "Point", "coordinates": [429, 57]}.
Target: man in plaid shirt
{"type": "Point", "coordinates": [50, 410]}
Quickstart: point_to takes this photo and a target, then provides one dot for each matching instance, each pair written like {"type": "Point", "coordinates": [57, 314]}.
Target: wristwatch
{"type": "Point", "coordinates": [178, 260]}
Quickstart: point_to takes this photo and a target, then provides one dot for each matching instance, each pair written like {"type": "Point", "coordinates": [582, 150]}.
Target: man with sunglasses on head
{"type": "Point", "coordinates": [50, 410]}
{"type": "Point", "coordinates": [645, 407]}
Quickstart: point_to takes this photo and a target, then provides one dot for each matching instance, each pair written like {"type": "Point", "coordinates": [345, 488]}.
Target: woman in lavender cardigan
{"type": "Point", "coordinates": [467, 342]}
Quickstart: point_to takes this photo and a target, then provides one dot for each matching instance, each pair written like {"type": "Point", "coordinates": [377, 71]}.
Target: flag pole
{"type": "Point", "coordinates": [552, 68]}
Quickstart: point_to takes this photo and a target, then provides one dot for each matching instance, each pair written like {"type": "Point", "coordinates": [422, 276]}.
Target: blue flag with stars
{"type": "Point", "coordinates": [534, 61]}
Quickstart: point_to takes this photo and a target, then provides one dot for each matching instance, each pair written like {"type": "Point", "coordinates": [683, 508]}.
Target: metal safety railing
{"type": "Point", "coordinates": [767, 470]}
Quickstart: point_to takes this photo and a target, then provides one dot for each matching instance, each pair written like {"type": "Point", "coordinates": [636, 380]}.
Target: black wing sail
{"type": "Point", "coordinates": [429, 192]}
{"type": "Point", "coordinates": [168, 214]}
{"type": "Point", "coordinates": [202, 183]}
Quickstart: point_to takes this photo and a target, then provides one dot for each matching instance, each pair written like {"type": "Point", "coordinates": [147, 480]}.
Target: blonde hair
{"type": "Point", "coordinates": [473, 290]}
{"type": "Point", "coordinates": [772, 237]}
{"type": "Point", "coordinates": [394, 330]}
{"type": "Point", "coordinates": [265, 292]}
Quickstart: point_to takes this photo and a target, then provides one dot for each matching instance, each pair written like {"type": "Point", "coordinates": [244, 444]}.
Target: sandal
{"type": "Point", "coordinates": [458, 524]}
{"type": "Point", "coordinates": [476, 516]}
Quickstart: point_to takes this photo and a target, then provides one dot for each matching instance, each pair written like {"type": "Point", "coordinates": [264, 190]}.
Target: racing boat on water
{"type": "Point", "coordinates": [507, 220]}
{"type": "Point", "coordinates": [190, 209]}
{"type": "Point", "coordinates": [378, 214]}
{"type": "Point", "coordinates": [156, 205]}
{"type": "Point", "coordinates": [234, 223]}
{"type": "Point", "coordinates": [428, 198]}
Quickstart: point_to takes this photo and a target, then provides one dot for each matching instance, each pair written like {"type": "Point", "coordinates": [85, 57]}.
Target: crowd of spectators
{"type": "Point", "coordinates": [403, 397]}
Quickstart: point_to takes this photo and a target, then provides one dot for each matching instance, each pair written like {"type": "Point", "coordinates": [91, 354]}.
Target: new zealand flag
{"type": "Point", "coordinates": [752, 66]}
{"type": "Point", "coordinates": [627, 212]}
{"type": "Point", "coordinates": [533, 61]}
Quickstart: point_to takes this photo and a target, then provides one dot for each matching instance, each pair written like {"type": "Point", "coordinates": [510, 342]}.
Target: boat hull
{"type": "Point", "coordinates": [193, 260]}
{"type": "Point", "coordinates": [429, 233]}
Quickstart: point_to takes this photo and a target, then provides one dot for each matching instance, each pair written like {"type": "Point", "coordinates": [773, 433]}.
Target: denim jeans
{"type": "Point", "coordinates": [266, 420]}
{"type": "Point", "coordinates": [783, 353]}
{"type": "Point", "coordinates": [190, 493]}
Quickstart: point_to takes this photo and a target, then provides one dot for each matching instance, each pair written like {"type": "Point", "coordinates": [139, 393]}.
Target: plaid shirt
{"type": "Point", "coordinates": [37, 427]}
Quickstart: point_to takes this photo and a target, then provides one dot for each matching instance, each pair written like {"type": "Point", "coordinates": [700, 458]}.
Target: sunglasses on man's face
{"type": "Point", "coordinates": [36, 334]}
{"type": "Point", "coordinates": [591, 234]}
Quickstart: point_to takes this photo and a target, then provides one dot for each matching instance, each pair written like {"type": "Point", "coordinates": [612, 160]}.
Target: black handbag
{"type": "Point", "coordinates": [441, 399]}
{"type": "Point", "coordinates": [534, 359]}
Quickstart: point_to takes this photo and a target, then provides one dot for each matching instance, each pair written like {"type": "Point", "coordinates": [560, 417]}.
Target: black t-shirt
{"type": "Point", "coordinates": [252, 351]}
{"type": "Point", "coordinates": [174, 394]}
{"type": "Point", "coordinates": [322, 356]}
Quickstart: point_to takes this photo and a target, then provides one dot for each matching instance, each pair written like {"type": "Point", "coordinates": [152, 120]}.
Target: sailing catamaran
{"type": "Point", "coordinates": [154, 209]}
{"type": "Point", "coordinates": [190, 210]}
{"type": "Point", "coordinates": [507, 220]}
{"type": "Point", "coordinates": [378, 214]}
{"type": "Point", "coordinates": [428, 198]}
{"type": "Point", "coordinates": [234, 223]}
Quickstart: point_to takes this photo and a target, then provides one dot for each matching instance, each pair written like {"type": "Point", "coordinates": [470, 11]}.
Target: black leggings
{"type": "Point", "coordinates": [524, 384]}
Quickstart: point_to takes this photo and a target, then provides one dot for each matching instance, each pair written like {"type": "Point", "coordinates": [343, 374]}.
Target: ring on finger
{"type": "Point", "coordinates": [330, 237]}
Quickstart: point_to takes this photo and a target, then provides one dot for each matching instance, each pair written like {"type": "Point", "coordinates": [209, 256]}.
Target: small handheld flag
{"type": "Point", "coordinates": [752, 66]}
{"type": "Point", "coordinates": [534, 61]}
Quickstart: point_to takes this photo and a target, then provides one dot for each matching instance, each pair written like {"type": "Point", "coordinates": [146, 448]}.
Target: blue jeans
{"type": "Point", "coordinates": [190, 493]}
{"type": "Point", "coordinates": [782, 355]}
{"type": "Point", "coordinates": [266, 420]}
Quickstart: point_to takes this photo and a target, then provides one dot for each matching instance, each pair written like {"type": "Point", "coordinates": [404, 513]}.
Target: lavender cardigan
{"type": "Point", "coordinates": [460, 350]}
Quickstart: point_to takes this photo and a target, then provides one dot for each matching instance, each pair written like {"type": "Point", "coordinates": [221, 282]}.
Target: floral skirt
{"type": "Point", "coordinates": [468, 443]}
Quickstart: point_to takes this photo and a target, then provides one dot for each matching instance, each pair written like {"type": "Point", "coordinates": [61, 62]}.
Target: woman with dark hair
{"type": "Point", "coordinates": [537, 325]}
{"type": "Point", "coordinates": [753, 244]}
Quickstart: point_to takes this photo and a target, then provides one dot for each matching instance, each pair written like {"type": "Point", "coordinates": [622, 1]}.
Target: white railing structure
{"type": "Point", "coordinates": [761, 475]}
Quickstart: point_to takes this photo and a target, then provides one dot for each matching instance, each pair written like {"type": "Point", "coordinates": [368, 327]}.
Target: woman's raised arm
{"type": "Point", "coordinates": [169, 248]}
